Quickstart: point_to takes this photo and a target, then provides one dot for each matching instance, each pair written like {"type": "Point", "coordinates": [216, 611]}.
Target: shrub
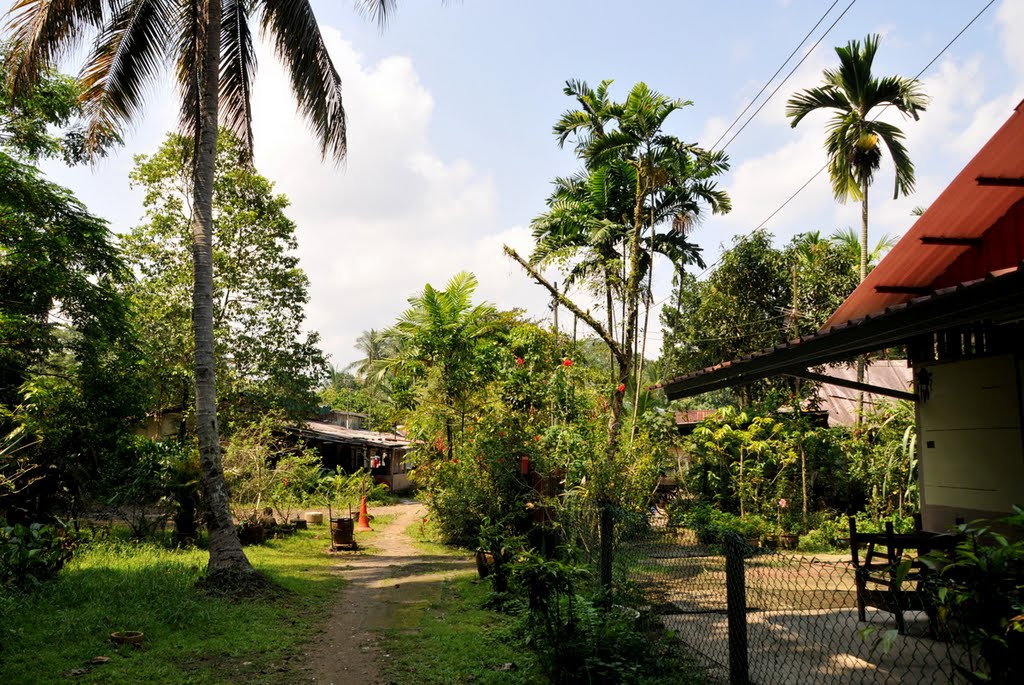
{"type": "Point", "coordinates": [981, 585]}
{"type": "Point", "coordinates": [32, 554]}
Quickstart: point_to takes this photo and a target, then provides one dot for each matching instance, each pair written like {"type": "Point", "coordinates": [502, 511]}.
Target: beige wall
{"type": "Point", "coordinates": [971, 457]}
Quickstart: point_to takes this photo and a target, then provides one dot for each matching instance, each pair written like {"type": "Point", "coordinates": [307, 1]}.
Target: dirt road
{"type": "Point", "coordinates": [394, 574]}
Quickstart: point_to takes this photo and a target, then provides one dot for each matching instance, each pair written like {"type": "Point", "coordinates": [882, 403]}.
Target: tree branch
{"type": "Point", "coordinates": [570, 305]}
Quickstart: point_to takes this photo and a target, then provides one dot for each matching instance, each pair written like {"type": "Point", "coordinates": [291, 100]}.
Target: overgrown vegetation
{"type": "Point", "coordinates": [114, 584]}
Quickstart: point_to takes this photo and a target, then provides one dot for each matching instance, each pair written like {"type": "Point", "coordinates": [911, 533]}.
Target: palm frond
{"type": "Point", "coordinates": [315, 82]}
{"type": "Point", "coordinates": [186, 31]}
{"type": "Point", "coordinates": [44, 31]}
{"type": "Point", "coordinates": [892, 137]}
{"type": "Point", "coordinates": [237, 68]}
{"type": "Point", "coordinates": [379, 11]}
{"type": "Point", "coordinates": [127, 54]}
{"type": "Point", "coordinates": [803, 103]}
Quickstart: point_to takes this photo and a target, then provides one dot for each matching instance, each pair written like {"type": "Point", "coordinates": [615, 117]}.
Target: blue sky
{"type": "Point", "coordinates": [451, 107]}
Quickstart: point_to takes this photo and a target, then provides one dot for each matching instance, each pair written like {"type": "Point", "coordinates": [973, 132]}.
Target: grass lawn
{"type": "Point", "coordinates": [190, 637]}
{"type": "Point", "coordinates": [452, 640]}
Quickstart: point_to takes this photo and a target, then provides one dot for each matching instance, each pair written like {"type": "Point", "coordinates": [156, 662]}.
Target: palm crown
{"type": "Point", "coordinates": [134, 39]}
{"type": "Point", "coordinates": [855, 138]}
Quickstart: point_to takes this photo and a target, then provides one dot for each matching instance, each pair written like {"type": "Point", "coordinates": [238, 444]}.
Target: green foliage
{"type": "Point", "coordinates": [883, 459]}
{"type": "Point", "coordinates": [981, 588]}
{"type": "Point", "coordinates": [757, 297]}
{"type": "Point", "coordinates": [586, 638]}
{"type": "Point", "coordinates": [69, 361]}
{"type": "Point", "coordinates": [112, 585]}
{"type": "Point", "coordinates": [265, 360]}
{"type": "Point", "coordinates": [28, 119]}
{"type": "Point", "coordinates": [32, 554]}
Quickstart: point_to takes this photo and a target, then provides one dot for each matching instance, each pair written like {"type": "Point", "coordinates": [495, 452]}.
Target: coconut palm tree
{"type": "Point", "coordinates": [374, 346]}
{"type": "Point", "coordinates": [855, 135]}
{"type": "Point", "coordinates": [849, 241]}
{"type": "Point", "coordinates": [209, 44]}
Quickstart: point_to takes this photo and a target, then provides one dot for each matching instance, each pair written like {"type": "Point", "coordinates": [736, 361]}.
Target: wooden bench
{"type": "Point", "coordinates": [891, 578]}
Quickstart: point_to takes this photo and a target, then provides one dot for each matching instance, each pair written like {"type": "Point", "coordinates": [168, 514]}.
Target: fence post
{"type": "Point", "coordinates": [736, 610]}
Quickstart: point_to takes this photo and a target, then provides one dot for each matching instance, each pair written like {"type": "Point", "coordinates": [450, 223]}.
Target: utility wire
{"type": "Point", "coordinates": [791, 72]}
{"type": "Point", "coordinates": [769, 81]}
{"type": "Point", "coordinates": [825, 166]}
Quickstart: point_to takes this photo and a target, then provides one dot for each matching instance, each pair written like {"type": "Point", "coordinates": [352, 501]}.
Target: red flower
{"type": "Point", "coordinates": [622, 387]}
{"type": "Point", "coordinates": [284, 482]}
{"type": "Point", "coordinates": [566, 362]}
{"type": "Point", "coordinates": [519, 361]}
{"type": "Point", "coordinates": [455, 460]}
{"type": "Point", "coordinates": [536, 437]}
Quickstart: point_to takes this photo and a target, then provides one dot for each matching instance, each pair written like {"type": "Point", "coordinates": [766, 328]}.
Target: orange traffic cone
{"type": "Point", "coordinates": [364, 517]}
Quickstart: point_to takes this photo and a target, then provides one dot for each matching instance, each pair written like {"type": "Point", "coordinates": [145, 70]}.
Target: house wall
{"type": "Point", "coordinates": [970, 443]}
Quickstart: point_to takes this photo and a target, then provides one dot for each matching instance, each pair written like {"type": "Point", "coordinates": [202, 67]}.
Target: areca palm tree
{"type": "Point", "coordinates": [855, 135]}
{"type": "Point", "coordinates": [636, 178]}
{"type": "Point", "coordinates": [209, 45]}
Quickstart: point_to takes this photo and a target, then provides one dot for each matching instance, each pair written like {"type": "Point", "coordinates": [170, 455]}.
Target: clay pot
{"type": "Point", "coordinates": [128, 637]}
{"type": "Point", "coordinates": [315, 518]}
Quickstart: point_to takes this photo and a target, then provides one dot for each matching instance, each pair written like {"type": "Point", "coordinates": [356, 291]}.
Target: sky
{"type": "Point", "coordinates": [451, 155]}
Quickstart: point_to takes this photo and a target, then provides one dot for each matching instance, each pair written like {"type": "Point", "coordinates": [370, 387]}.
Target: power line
{"type": "Point", "coordinates": [818, 172]}
{"type": "Point", "coordinates": [791, 72]}
{"type": "Point", "coordinates": [769, 81]}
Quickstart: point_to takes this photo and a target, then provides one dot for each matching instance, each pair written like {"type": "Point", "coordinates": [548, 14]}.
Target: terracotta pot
{"type": "Point", "coordinates": [315, 518]}
{"type": "Point", "coordinates": [128, 637]}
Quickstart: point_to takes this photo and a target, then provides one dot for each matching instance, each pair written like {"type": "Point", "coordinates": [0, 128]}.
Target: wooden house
{"type": "Point", "coordinates": [353, 448]}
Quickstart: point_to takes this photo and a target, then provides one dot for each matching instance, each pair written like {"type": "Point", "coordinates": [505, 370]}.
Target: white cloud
{"type": "Point", "coordinates": [1010, 17]}
{"type": "Point", "coordinates": [397, 216]}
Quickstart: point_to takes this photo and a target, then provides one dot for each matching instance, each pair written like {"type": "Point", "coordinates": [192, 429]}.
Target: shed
{"type": "Point", "coordinates": [951, 292]}
{"type": "Point", "coordinates": [384, 454]}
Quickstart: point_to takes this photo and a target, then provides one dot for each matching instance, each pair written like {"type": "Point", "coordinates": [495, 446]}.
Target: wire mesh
{"type": "Point", "coordinates": [802, 622]}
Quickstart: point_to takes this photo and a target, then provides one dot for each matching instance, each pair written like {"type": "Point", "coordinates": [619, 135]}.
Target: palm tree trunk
{"type": "Point", "coordinates": [863, 275]}
{"type": "Point", "coordinates": [228, 562]}
{"type": "Point", "coordinates": [864, 230]}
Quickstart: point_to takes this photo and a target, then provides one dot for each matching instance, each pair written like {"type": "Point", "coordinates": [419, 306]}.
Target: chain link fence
{"type": "Point", "coordinates": [766, 616]}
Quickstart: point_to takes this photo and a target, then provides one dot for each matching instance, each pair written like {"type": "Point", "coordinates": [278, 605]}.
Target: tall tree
{"type": "Point", "coordinates": [265, 361]}
{"type": "Point", "coordinates": [374, 345]}
{"type": "Point", "coordinates": [636, 178]}
{"type": "Point", "coordinates": [855, 135]}
{"type": "Point", "coordinates": [210, 45]}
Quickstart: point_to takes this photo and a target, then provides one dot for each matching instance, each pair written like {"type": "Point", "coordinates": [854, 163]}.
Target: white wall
{"type": "Point", "coordinates": [970, 444]}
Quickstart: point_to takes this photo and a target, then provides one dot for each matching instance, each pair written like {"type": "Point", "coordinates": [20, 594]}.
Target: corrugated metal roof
{"type": "Point", "coordinates": [334, 433]}
{"type": "Point", "coordinates": [996, 298]}
{"type": "Point", "coordinates": [841, 403]}
{"type": "Point", "coordinates": [964, 210]}
{"type": "Point", "coordinates": [688, 416]}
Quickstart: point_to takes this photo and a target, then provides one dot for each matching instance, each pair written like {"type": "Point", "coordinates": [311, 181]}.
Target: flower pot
{"type": "Point", "coordinates": [251, 534]}
{"type": "Point", "coordinates": [128, 637]}
{"type": "Point", "coordinates": [315, 518]}
{"type": "Point", "coordinates": [341, 532]}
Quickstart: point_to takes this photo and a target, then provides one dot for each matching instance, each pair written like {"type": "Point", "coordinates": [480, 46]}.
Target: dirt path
{"type": "Point", "coordinates": [393, 575]}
